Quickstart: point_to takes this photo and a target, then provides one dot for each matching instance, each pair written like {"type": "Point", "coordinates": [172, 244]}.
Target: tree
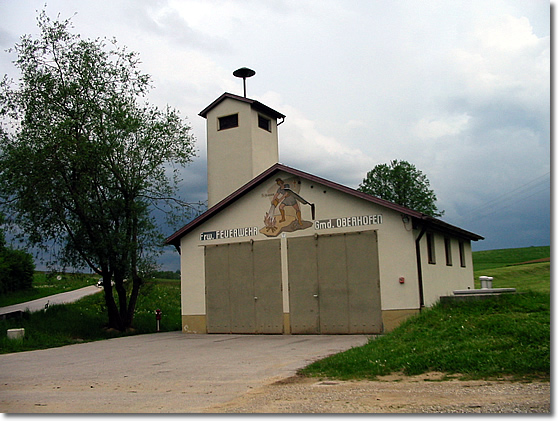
{"type": "Point", "coordinates": [84, 158]}
{"type": "Point", "coordinates": [400, 182]}
{"type": "Point", "coordinates": [16, 266]}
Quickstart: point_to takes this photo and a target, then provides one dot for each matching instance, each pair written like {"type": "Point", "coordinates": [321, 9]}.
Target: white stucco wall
{"type": "Point", "coordinates": [440, 279]}
{"type": "Point", "coordinates": [237, 155]}
{"type": "Point", "coordinates": [396, 246]}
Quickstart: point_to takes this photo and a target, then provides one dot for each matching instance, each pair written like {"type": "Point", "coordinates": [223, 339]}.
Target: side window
{"type": "Point", "coordinates": [462, 254]}
{"type": "Point", "coordinates": [447, 246]}
{"type": "Point", "coordinates": [228, 122]}
{"type": "Point", "coordinates": [264, 123]}
{"type": "Point", "coordinates": [431, 249]}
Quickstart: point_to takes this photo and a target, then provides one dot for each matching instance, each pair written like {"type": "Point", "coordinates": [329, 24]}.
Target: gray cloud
{"type": "Point", "coordinates": [461, 89]}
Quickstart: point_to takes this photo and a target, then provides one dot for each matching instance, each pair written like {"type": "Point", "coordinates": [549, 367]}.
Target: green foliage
{"type": "Point", "coordinates": [167, 274]}
{"type": "Point", "coordinates": [505, 336]}
{"type": "Point", "coordinates": [16, 270]}
{"type": "Point", "coordinates": [402, 183]}
{"type": "Point", "coordinates": [85, 320]}
{"type": "Point", "coordinates": [86, 157]}
{"type": "Point", "coordinates": [16, 267]}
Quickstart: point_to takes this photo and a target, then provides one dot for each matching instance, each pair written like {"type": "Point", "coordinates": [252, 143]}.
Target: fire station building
{"type": "Point", "coordinates": [282, 251]}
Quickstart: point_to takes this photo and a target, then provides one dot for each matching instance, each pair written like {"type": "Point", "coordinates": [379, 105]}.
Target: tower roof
{"type": "Point", "coordinates": [253, 103]}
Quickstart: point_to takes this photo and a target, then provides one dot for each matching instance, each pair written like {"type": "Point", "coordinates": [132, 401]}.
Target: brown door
{"type": "Point", "coordinates": [363, 274]}
{"type": "Point", "coordinates": [303, 285]}
{"type": "Point", "coordinates": [268, 296]}
{"type": "Point", "coordinates": [217, 289]}
{"type": "Point", "coordinates": [243, 288]}
{"type": "Point", "coordinates": [334, 284]}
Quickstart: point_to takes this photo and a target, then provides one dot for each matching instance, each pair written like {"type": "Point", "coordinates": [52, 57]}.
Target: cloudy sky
{"type": "Point", "coordinates": [459, 88]}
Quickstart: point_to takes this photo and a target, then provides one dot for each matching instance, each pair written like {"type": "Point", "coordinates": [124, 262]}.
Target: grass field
{"type": "Point", "coordinates": [505, 337]}
{"type": "Point", "coordinates": [490, 259]}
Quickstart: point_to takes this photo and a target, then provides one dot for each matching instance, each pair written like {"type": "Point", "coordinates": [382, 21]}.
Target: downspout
{"type": "Point", "coordinates": [419, 266]}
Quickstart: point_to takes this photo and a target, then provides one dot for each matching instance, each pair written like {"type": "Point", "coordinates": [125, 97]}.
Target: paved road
{"type": "Point", "coordinates": [157, 373]}
{"type": "Point", "coordinates": [62, 298]}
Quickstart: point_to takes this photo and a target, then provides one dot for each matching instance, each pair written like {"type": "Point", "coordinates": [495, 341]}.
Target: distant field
{"type": "Point", "coordinates": [45, 284]}
{"type": "Point", "coordinates": [509, 270]}
{"type": "Point", "coordinates": [489, 259]}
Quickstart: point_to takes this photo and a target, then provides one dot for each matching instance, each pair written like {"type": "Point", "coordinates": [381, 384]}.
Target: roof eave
{"type": "Point", "coordinates": [451, 229]}
{"type": "Point", "coordinates": [418, 216]}
{"type": "Point", "coordinates": [253, 103]}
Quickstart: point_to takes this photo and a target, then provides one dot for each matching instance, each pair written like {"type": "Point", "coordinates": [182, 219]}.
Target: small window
{"type": "Point", "coordinates": [447, 245]}
{"type": "Point", "coordinates": [264, 123]}
{"type": "Point", "coordinates": [462, 254]}
{"type": "Point", "coordinates": [430, 248]}
{"type": "Point", "coordinates": [228, 122]}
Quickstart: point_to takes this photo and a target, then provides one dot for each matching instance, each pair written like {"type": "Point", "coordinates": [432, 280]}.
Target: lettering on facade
{"type": "Point", "coordinates": [348, 221]}
{"type": "Point", "coordinates": [230, 233]}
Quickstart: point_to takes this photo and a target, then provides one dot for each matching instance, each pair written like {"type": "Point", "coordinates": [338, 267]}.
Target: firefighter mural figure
{"type": "Point", "coordinates": [285, 198]}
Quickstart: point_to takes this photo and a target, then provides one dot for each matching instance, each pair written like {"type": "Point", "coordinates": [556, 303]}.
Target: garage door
{"type": "Point", "coordinates": [243, 288]}
{"type": "Point", "coordinates": [334, 284]}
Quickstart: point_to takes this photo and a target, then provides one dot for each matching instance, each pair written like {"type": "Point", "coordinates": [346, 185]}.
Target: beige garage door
{"type": "Point", "coordinates": [243, 287]}
{"type": "Point", "coordinates": [334, 284]}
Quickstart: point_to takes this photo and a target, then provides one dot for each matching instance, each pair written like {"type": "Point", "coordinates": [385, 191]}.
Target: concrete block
{"type": "Point", "coordinates": [18, 333]}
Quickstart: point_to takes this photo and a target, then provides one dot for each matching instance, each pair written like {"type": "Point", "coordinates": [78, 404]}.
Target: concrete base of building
{"type": "Point", "coordinates": [393, 318]}
{"type": "Point", "coordinates": [286, 324]}
{"type": "Point", "coordinates": [194, 324]}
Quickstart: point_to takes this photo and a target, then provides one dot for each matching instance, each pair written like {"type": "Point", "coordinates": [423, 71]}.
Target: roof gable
{"type": "Point", "coordinates": [426, 220]}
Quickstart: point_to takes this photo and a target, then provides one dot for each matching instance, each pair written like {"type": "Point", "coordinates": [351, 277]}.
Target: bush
{"type": "Point", "coordinates": [16, 270]}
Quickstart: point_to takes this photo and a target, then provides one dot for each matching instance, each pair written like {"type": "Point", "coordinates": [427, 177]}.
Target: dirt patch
{"type": "Point", "coordinates": [544, 259]}
{"type": "Point", "coordinates": [396, 393]}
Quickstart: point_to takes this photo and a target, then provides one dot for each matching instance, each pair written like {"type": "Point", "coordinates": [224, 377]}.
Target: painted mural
{"type": "Point", "coordinates": [285, 212]}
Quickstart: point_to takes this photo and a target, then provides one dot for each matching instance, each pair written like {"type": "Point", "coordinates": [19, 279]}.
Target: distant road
{"type": "Point", "coordinates": [62, 298]}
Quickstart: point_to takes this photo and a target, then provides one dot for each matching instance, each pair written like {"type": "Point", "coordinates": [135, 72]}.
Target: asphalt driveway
{"type": "Point", "coordinates": [157, 373]}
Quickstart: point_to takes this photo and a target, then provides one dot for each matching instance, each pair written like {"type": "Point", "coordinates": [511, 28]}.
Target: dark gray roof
{"type": "Point", "coordinates": [270, 112]}
{"type": "Point", "coordinates": [418, 217]}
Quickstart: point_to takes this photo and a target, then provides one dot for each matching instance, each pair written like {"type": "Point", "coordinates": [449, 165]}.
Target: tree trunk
{"type": "Point", "coordinates": [114, 319]}
{"type": "Point", "coordinates": [122, 299]}
{"type": "Point", "coordinates": [137, 282]}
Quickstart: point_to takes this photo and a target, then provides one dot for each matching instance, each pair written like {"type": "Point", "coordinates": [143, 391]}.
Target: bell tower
{"type": "Point", "coordinates": [242, 141]}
